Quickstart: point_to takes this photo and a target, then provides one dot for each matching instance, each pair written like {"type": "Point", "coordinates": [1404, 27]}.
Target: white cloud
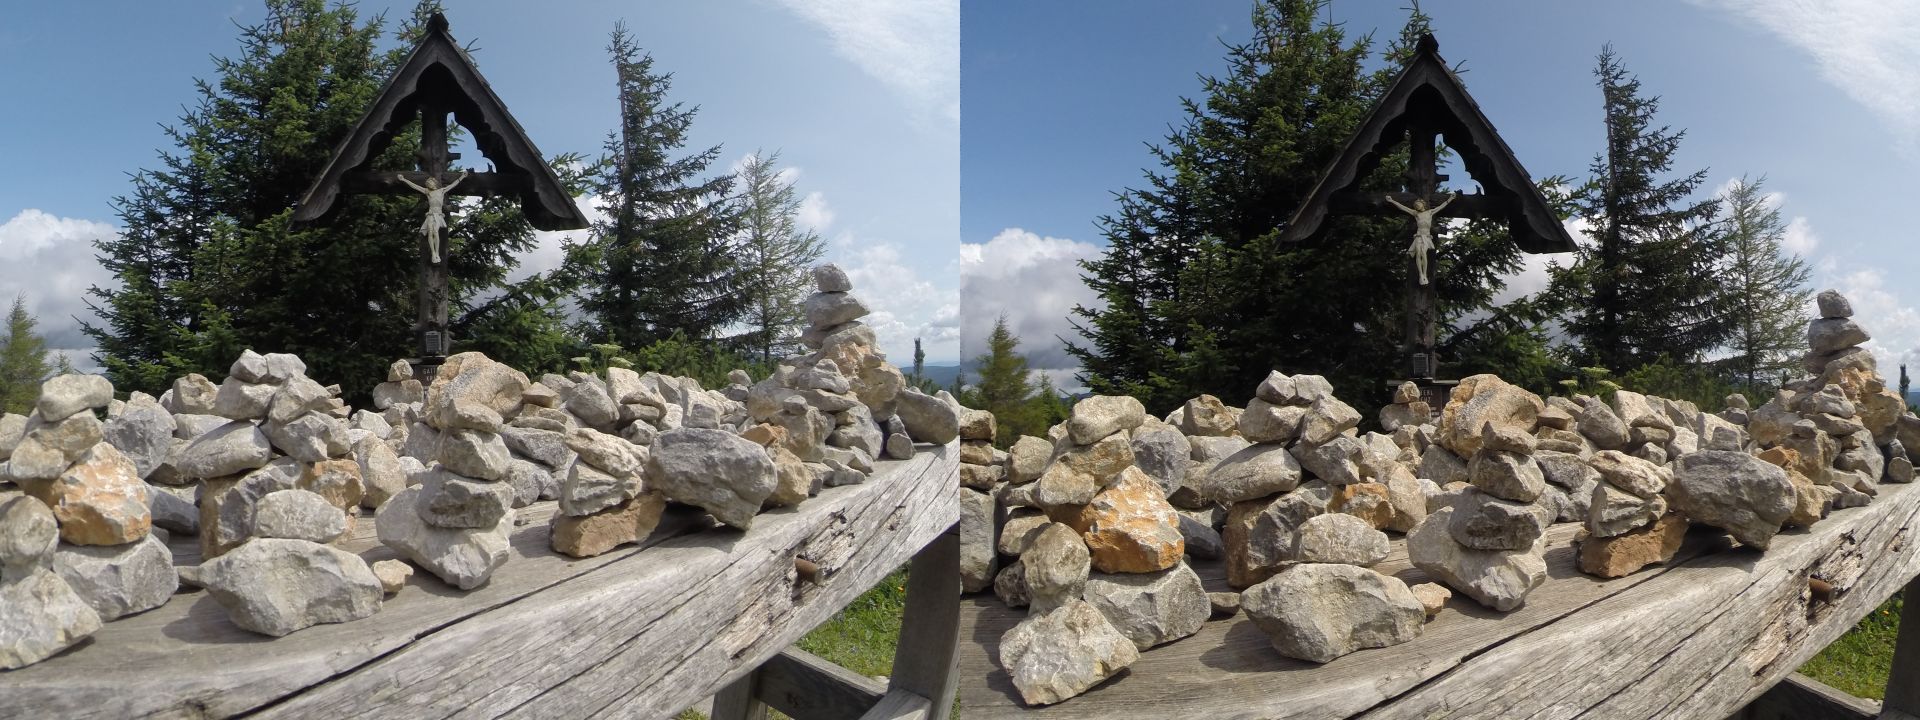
{"type": "Point", "coordinates": [1532, 277]}
{"type": "Point", "coordinates": [1800, 238]}
{"type": "Point", "coordinates": [51, 261]}
{"type": "Point", "coordinates": [1034, 281]}
{"type": "Point", "coordinates": [911, 46]}
{"type": "Point", "coordinates": [548, 250]}
{"type": "Point", "coordinates": [815, 215]}
{"type": "Point", "coordinates": [905, 305]}
{"type": "Point", "coordinates": [1866, 48]}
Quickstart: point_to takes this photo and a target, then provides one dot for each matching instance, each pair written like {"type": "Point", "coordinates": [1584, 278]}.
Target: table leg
{"type": "Point", "coordinates": [1903, 683]}
{"type": "Point", "coordinates": [924, 659]}
{"type": "Point", "coordinates": [739, 700]}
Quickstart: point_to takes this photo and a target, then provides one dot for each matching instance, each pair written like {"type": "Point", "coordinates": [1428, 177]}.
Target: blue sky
{"type": "Point", "coordinates": [1060, 96]}
{"type": "Point", "coordinates": [859, 96]}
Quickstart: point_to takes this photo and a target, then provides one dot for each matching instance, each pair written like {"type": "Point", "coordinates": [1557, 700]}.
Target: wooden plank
{"type": "Point", "coordinates": [186, 659]}
{"type": "Point", "coordinates": [804, 686]}
{"type": "Point", "coordinates": [1799, 696]}
{"type": "Point", "coordinates": [1903, 682]}
{"type": "Point", "coordinates": [1470, 205]}
{"type": "Point", "coordinates": [928, 649]}
{"type": "Point", "coordinates": [1579, 645]}
{"type": "Point", "coordinates": [900, 705]}
{"type": "Point", "coordinates": [1701, 641]}
{"type": "Point", "coordinates": [655, 632]}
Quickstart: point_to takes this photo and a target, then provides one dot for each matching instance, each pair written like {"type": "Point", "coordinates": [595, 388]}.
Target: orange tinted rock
{"type": "Point", "coordinates": [336, 480]}
{"type": "Point", "coordinates": [1130, 527]}
{"type": "Point", "coordinates": [99, 500]}
{"type": "Point", "coordinates": [1623, 554]}
{"type": "Point", "coordinates": [1367, 501]}
{"type": "Point", "coordinates": [1782, 456]}
{"type": "Point", "coordinates": [590, 535]}
{"type": "Point", "coordinates": [766, 435]}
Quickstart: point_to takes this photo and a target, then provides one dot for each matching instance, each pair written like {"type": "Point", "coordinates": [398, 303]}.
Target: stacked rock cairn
{"type": "Point", "coordinates": [268, 469]}
{"type": "Point", "coordinates": [77, 550]}
{"type": "Point", "coordinates": [1299, 503]}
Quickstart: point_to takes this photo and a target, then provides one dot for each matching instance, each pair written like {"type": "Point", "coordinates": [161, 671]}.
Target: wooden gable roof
{"type": "Point", "coordinates": [441, 73]}
{"type": "Point", "coordinates": [1429, 91]}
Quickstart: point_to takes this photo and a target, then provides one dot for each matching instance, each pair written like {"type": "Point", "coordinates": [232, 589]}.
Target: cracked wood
{"type": "Point", "coordinates": [1699, 638]}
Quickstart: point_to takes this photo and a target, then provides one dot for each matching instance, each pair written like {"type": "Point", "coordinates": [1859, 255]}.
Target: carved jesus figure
{"type": "Point", "coordinates": [436, 209]}
{"type": "Point", "coordinates": [1422, 229]}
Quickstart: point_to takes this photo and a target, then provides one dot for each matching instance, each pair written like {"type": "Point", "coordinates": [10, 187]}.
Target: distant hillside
{"type": "Point", "coordinates": [941, 374]}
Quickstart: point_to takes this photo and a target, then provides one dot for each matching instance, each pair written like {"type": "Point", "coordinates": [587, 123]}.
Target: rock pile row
{"type": "Point", "coordinates": [268, 469]}
{"type": "Point", "coordinates": [1298, 502]}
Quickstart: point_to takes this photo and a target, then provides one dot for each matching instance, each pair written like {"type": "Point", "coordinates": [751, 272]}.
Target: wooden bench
{"type": "Point", "coordinates": [642, 631]}
{"type": "Point", "coordinates": [1701, 637]}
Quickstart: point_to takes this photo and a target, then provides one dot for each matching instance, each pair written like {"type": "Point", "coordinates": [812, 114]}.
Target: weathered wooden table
{"type": "Point", "coordinates": [642, 631]}
{"type": "Point", "coordinates": [1698, 638]}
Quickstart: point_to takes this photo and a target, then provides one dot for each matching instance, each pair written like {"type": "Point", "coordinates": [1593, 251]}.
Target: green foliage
{"type": "Point", "coordinates": [776, 256]}
{"type": "Point", "coordinates": [1766, 287]}
{"type": "Point", "coordinates": [209, 262]}
{"type": "Point", "coordinates": [675, 355]}
{"type": "Point", "coordinates": [1050, 407]}
{"type": "Point", "coordinates": [658, 265]}
{"type": "Point", "coordinates": [1197, 294]}
{"type": "Point", "coordinates": [1650, 286]}
{"type": "Point", "coordinates": [23, 361]}
{"type": "Point", "coordinates": [1006, 387]}
{"type": "Point", "coordinates": [1859, 662]}
{"type": "Point", "coordinates": [917, 377]}
{"type": "Point", "coordinates": [1704, 385]}
{"type": "Point", "coordinates": [1593, 381]}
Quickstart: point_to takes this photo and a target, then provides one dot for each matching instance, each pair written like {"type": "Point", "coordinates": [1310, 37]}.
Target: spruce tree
{"type": "Point", "coordinates": [23, 361]}
{"type": "Point", "coordinates": [659, 263]}
{"type": "Point", "coordinates": [1048, 406]}
{"type": "Point", "coordinates": [1006, 386]}
{"type": "Point", "coordinates": [1198, 295]}
{"type": "Point", "coordinates": [209, 262]}
{"type": "Point", "coordinates": [1766, 286]}
{"type": "Point", "coordinates": [1649, 286]}
{"type": "Point", "coordinates": [776, 258]}
{"type": "Point", "coordinates": [919, 362]}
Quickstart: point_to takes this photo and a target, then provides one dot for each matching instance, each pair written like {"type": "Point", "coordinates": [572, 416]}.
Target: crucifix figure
{"type": "Point", "coordinates": [1425, 106]}
{"type": "Point", "coordinates": [436, 83]}
{"type": "Point", "coordinates": [436, 221]}
{"type": "Point", "coordinates": [1422, 229]}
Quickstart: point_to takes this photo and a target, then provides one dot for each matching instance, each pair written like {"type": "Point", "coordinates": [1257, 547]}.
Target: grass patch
{"type": "Point", "coordinates": [1858, 662]}
{"type": "Point", "coordinates": [862, 637]}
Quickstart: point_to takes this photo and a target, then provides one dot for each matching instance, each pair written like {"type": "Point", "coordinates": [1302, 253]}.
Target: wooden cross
{"type": "Point", "coordinates": [1423, 180]}
{"type": "Point", "coordinates": [437, 80]}
{"type": "Point", "coordinates": [435, 155]}
{"type": "Point", "coordinates": [1424, 102]}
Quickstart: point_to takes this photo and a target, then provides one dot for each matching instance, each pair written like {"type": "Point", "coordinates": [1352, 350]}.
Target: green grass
{"type": "Point", "coordinates": [1859, 661]}
{"type": "Point", "coordinates": [861, 638]}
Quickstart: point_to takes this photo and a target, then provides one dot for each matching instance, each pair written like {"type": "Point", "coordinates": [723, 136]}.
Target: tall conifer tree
{"type": "Point", "coordinates": [23, 361]}
{"type": "Point", "coordinates": [1197, 294]}
{"type": "Point", "coordinates": [776, 257]}
{"type": "Point", "coordinates": [1006, 386]}
{"type": "Point", "coordinates": [658, 266]}
{"type": "Point", "coordinates": [1766, 286]}
{"type": "Point", "coordinates": [209, 262]}
{"type": "Point", "coordinates": [1649, 286]}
